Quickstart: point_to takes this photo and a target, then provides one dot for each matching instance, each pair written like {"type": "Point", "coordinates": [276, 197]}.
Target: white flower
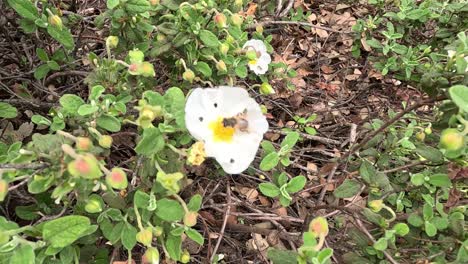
{"type": "Point", "coordinates": [260, 64]}
{"type": "Point", "coordinates": [210, 116]}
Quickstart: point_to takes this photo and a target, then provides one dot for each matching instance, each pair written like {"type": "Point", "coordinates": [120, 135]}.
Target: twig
{"type": "Point", "coordinates": [307, 24]}
{"type": "Point", "coordinates": [33, 166]}
{"type": "Point", "coordinates": [371, 135]}
{"type": "Point", "coordinates": [223, 227]}
{"type": "Point", "coordinates": [307, 136]}
{"type": "Point", "coordinates": [288, 7]}
{"type": "Point", "coordinates": [366, 232]}
{"type": "Point", "coordinates": [416, 163]}
{"type": "Point", "coordinates": [65, 73]}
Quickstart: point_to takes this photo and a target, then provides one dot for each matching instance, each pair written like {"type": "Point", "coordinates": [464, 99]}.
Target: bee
{"type": "Point", "coordinates": [238, 122]}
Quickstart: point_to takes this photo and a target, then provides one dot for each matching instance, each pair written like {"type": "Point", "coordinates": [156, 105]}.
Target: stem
{"type": "Point", "coordinates": [176, 150]}
{"type": "Point", "coordinates": [183, 64]}
{"type": "Point", "coordinates": [158, 167]}
{"type": "Point", "coordinates": [138, 217]}
{"type": "Point", "coordinates": [320, 243]}
{"type": "Point", "coordinates": [122, 63]}
{"type": "Point", "coordinates": [66, 134]}
{"type": "Point", "coordinates": [184, 205]}
{"type": "Point", "coordinates": [390, 210]}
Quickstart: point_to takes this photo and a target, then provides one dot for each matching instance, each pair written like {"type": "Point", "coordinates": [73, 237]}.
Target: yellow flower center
{"type": "Point", "coordinates": [220, 132]}
{"type": "Point", "coordinates": [253, 62]}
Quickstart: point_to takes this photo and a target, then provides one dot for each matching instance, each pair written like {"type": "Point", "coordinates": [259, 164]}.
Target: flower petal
{"type": "Point", "coordinates": [257, 44]}
{"type": "Point", "coordinates": [199, 112]}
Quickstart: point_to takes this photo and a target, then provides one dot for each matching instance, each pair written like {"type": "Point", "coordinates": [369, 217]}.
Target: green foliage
{"type": "Point", "coordinates": [283, 187]}
{"type": "Point", "coordinates": [273, 158]}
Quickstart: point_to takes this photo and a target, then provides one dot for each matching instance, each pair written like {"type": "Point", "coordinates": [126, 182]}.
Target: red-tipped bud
{"type": "Point", "coordinates": [117, 179]}
{"type": "Point", "coordinates": [3, 189]}
{"type": "Point", "coordinates": [451, 139]}
{"type": "Point", "coordinates": [319, 226]}
{"type": "Point", "coordinates": [83, 143]}
{"type": "Point", "coordinates": [151, 256]}
{"type": "Point", "coordinates": [190, 219]}
{"type": "Point", "coordinates": [86, 166]}
{"type": "Point", "coordinates": [220, 20]}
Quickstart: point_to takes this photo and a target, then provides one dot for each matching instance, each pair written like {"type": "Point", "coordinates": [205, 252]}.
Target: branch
{"type": "Point", "coordinates": [223, 226]}
{"type": "Point", "coordinates": [307, 24]}
{"type": "Point", "coordinates": [33, 166]}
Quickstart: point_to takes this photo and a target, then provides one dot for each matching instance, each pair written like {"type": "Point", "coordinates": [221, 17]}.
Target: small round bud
{"type": "Point", "coordinates": [420, 136]}
{"type": "Point", "coordinates": [230, 39]}
{"type": "Point", "coordinates": [319, 226]}
{"type": "Point", "coordinates": [145, 236]}
{"type": "Point", "coordinates": [151, 256]}
{"type": "Point", "coordinates": [237, 19]}
{"type": "Point", "coordinates": [85, 166]}
{"type": "Point", "coordinates": [266, 89]}
{"type": "Point", "coordinates": [428, 130]}
{"type": "Point", "coordinates": [220, 20]}
{"type": "Point", "coordinates": [4, 238]}
{"type": "Point", "coordinates": [117, 179]}
{"type": "Point", "coordinates": [451, 139]}
{"type": "Point", "coordinates": [185, 257]}
{"type": "Point", "coordinates": [188, 75]}
{"type": "Point", "coordinates": [55, 21]}
{"type": "Point", "coordinates": [83, 143]}
{"type": "Point", "coordinates": [105, 141]}
{"type": "Point", "coordinates": [3, 189]}
{"type": "Point", "coordinates": [190, 219]}
{"type": "Point", "coordinates": [221, 66]}
{"type": "Point", "coordinates": [259, 29]}
{"type": "Point", "coordinates": [154, 2]}
{"type": "Point", "coordinates": [157, 231]}
{"type": "Point", "coordinates": [94, 204]}
{"type": "Point", "coordinates": [224, 48]}
{"type": "Point", "coordinates": [376, 205]}
{"type": "Point", "coordinates": [146, 69]}
{"type": "Point", "coordinates": [112, 42]}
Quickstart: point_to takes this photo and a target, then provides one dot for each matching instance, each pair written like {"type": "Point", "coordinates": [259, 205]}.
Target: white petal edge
{"type": "Point", "coordinates": [257, 44]}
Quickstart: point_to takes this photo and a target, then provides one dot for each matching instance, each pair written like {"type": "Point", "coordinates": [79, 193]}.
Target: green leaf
{"type": "Point", "coordinates": [41, 71]}
{"type": "Point", "coordinates": [96, 92]}
{"type": "Point", "coordinates": [53, 65]}
{"type": "Point", "coordinates": [154, 98]}
{"type": "Point", "coordinates": [430, 153]}
{"type": "Point", "coordinates": [169, 210]}
{"type": "Point", "coordinates": [440, 223]}
{"type": "Point", "coordinates": [23, 255]}
{"type": "Point", "coordinates": [267, 146]}
{"type": "Point", "coordinates": [241, 71]}
{"type": "Point", "coordinates": [40, 120]}
{"type": "Point", "coordinates": [203, 68]}
{"type": "Point", "coordinates": [296, 184]}
{"type": "Point", "coordinates": [418, 179]}
{"type": "Point", "coordinates": [440, 180]}
{"type": "Point", "coordinates": [108, 123]}
{"type": "Point", "coordinates": [173, 246]}
{"type": "Point", "coordinates": [381, 244]}
{"type": "Point", "coordinates": [128, 236]}
{"type": "Point", "coordinates": [289, 141]}
{"type": "Point", "coordinates": [195, 203]}
{"type": "Point", "coordinates": [269, 161]}
{"type": "Point", "coordinates": [347, 189]}
{"type": "Point", "coordinates": [63, 36]}
{"type": "Point", "coordinates": [209, 39]}
{"type": "Point", "coordinates": [269, 189]}
{"type": "Point", "coordinates": [284, 201]}
{"type": "Point", "coordinates": [324, 255]}
{"type": "Point", "coordinates": [24, 8]}
{"type": "Point", "coordinates": [151, 143]}
{"type": "Point", "coordinates": [459, 95]}
{"type": "Point", "coordinates": [71, 102]}
{"type": "Point", "coordinates": [430, 229]}
{"type": "Point", "coordinates": [63, 231]}
{"type": "Point", "coordinates": [401, 229]}
{"type": "Point", "coordinates": [67, 254]}
{"type": "Point", "coordinates": [117, 232]}
{"type": "Point", "coordinates": [42, 55]}
{"type": "Point", "coordinates": [278, 256]}
{"type": "Point", "coordinates": [174, 100]}
{"type": "Point", "coordinates": [195, 236]}
{"type": "Point", "coordinates": [7, 110]}
{"type": "Point", "coordinates": [111, 4]}
{"type": "Point", "coordinates": [27, 212]}
{"type": "Point", "coordinates": [141, 199]}
{"type": "Point", "coordinates": [428, 213]}
{"type": "Point", "coordinates": [87, 109]}
{"type": "Point", "coordinates": [367, 171]}
{"type": "Point", "coordinates": [138, 6]}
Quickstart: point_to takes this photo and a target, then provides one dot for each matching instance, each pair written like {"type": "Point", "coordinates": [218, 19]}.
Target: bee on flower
{"type": "Point", "coordinates": [259, 59]}
{"type": "Point", "coordinates": [228, 122]}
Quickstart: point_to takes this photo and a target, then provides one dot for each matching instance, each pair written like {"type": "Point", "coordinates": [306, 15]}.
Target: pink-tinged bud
{"type": "Point", "coordinates": [151, 256]}
{"type": "Point", "coordinates": [145, 236]}
{"type": "Point", "coordinates": [319, 226]}
{"type": "Point", "coordinates": [451, 139]}
{"type": "Point", "coordinates": [190, 219]}
{"type": "Point", "coordinates": [85, 166]}
{"type": "Point", "coordinates": [105, 141]}
{"type": "Point", "coordinates": [83, 143]}
{"type": "Point", "coordinates": [220, 20]}
{"type": "Point", "coordinates": [117, 179]}
{"type": "Point", "coordinates": [3, 189]}
{"type": "Point", "coordinates": [133, 68]}
{"type": "Point", "coordinates": [154, 2]}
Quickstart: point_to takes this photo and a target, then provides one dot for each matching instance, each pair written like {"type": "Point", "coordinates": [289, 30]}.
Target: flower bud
{"type": "Point", "coordinates": [136, 56]}
{"type": "Point", "coordinates": [238, 3]}
{"type": "Point", "coordinates": [56, 21]}
{"type": "Point", "coordinates": [85, 166]}
{"type": "Point", "coordinates": [319, 226]}
{"type": "Point", "coordinates": [147, 114]}
{"type": "Point", "coordinates": [161, 37]}
{"type": "Point", "coordinates": [154, 2]}
{"type": "Point", "coordinates": [133, 68]}
{"type": "Point", "coordinates": [376, 205]}
{"type": "Point", "coordinates": [451, 139]}
{"type": "Point", "coordinates": [105, 141]}
{"type": "Point", "coordinates": [237, 19]}
{"type": "Point", "coordinates": [420, 136]}
{"type": "Point", "coordinates": [4, 238]}
{"type": "Point", "coordinates": [428, 130]}
{"type": "Point", "coordinates": [117, 179]}
{"type": "Point", "coordinates": [266, 89]}
{"type": "Point", "coordinates": [94, 204]}
{"type": "Point", "coordinates": [112, 42]}
{"type": "Point", "coordinates": [190, 219]}
{"type": "Point", "coordinates": [83, 143]}
{"type": "Point", "coordinates": [146, 69]}
{"type": "Point", "coordinates": [259, 29]}
{"type": "Point", "coordinates": [3, 189]}
{"type": "Point", "coordinates": [224, 48]}
{"type": "Point", "coordinates": [221, 66]}
{"type": "Point", "coordinates": [185, 257]}
{"type": "Point", "coordinates": [188, 75]}
{"type": "Point", "coordinates": [251, 54]}
{"type": "Point", "coordinates": [230, 39]}
{"type": "Point", "coordinates": [220, 20]}
{"type": "Point", "coordinates": [151, 256]}
{"type": "Point", "coordinates": [145, 236]}
{"type": "Point", "coordinates": [157, 231]}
